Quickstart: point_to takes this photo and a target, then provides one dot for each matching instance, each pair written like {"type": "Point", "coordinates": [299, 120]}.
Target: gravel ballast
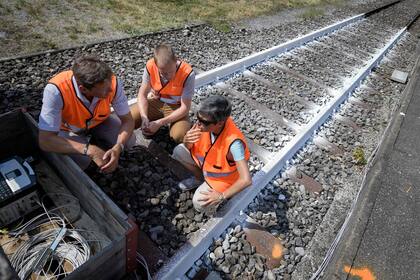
{"type": "Point", "coordinates": [305, 223]}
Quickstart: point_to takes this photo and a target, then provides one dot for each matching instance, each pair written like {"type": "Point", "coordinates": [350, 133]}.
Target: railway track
{"type": "Point", "coordinates": [291, 104]}
{"type": "Point", "coordinates": [302, 109]}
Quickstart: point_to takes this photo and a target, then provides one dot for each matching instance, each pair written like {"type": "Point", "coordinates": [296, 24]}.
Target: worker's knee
{"type": "Point", "coordinates": [180, 152]}
{"type": "Point", "coordinates": [179, 129]}
{"type": "Point", "coordinates": [198, 205]}
{"type": "Point", "coordinates": [177, 136]}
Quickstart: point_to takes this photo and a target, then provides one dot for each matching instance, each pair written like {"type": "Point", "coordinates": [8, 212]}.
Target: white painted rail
{"type": "Point", "coordinates": [240, 65]}
{"type": "Point", "coordinates": [182, 261]}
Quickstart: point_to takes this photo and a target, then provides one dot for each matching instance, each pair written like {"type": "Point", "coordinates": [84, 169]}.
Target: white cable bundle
{"type": "Point", "coordinates": [141, 260]}
{"type": "Point", "coordinates": [72, 251]}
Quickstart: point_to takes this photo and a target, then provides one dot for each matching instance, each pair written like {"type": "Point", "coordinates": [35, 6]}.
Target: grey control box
{"type": "Point", "coordinates": [18, 191]}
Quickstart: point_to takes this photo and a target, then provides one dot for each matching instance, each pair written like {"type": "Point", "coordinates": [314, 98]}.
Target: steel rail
{"type": "Point", "coordinates": [242, 64]}
{"type": "Point", "coordinates": [200, 241]}
{"type": "Point", "coordinates": [98, 42]}
{"type": "Point", "coordinates": [350, 215]}
{"type": "Point", "coordinates": [218, 73]}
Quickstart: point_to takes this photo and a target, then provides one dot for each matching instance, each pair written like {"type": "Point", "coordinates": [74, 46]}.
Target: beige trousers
{"type": "Point", "coordinates": [157, 110]}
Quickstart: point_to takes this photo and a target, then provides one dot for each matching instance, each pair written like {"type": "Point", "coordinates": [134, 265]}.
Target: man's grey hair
{"type": "Point", "coordinates": [216, 107]}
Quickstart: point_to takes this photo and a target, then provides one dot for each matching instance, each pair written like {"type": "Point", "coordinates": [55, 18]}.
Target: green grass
{"type": "Point", "coordinates": [49, 45]}
{"type": "Point", "coordinates": [176, 13]}
{"type": "Point", "coordinates": [33, 25]}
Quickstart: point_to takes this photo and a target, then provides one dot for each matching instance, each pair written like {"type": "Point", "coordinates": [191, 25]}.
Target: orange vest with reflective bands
{"type": "Point", "coordinates": [218, 171]}
{"type": "Point", "coordinates": [75, 116]}
{"type": "Point", "coordinates": [171, 92]}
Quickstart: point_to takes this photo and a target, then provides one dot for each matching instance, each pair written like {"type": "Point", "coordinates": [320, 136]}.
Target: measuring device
{"type": "Point", "coordinates": [18, 190]}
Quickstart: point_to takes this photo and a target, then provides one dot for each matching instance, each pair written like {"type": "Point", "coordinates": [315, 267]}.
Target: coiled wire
{"type": "Point", "coordinates": [37, 235]}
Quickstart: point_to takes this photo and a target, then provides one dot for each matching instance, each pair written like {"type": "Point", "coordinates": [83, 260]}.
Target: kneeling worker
{"type": "Point", "coordinates": [165, 94]}
{"type": "Point", "coordinates": [76, 106]}
{"type": "Point", "coordinates": [214, 148]}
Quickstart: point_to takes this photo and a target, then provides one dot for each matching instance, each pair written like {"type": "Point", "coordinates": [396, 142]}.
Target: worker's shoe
{"type": "Point", "coordinates": [189, 184]}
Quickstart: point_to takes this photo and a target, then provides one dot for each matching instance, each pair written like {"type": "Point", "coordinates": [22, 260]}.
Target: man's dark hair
{"type": "Point", "coordinates": [90, 70]}
{"type": "Point", "coordinates": [216, 107]}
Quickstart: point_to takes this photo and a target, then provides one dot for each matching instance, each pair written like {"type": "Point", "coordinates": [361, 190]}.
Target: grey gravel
{"type": "Point", "coordinates": [284, 208]}
{"type": "Point", "coordinates": [142, 187]}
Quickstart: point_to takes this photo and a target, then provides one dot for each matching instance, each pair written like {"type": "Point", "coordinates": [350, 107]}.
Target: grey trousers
{"type": "Point", "coordinates": [106, 134]}
{"type": "Point", "coordinates": [182, 154]}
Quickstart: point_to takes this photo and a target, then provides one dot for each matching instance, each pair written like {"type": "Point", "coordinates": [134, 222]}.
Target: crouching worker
{"type": "Point", "coordinates": [165, 94]}
{"type": "Point", "coordinates": [214, 148]}
{"type": "Point", "coordinates": [76, 107]}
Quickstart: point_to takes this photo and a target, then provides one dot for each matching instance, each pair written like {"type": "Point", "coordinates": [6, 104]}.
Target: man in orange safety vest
{"type": "Point", "coordinates": [216, 150]}
{"type": "Point", "coordinates": [165, 94]}
{"type": "Point", "coordinates": [76, 115]}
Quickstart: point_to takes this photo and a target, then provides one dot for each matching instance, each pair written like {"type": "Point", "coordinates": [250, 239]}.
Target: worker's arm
{"type": "Point", "coordinates": [243, 181]}
{"type": "Point", "coordinates": [177, 114]}
{"type": "Point", "coordinates": [49, 141]}
{"type": "Point", "coordinates": [142, 104]}
{"type": "Point", "coordinates": [213, 197]}
{"type": "Point", "coordinates": [182, 111]}
{"type": "Point", "coordinates": [126, 130]}
{"type": "Point", "coordinates": [112, 155]}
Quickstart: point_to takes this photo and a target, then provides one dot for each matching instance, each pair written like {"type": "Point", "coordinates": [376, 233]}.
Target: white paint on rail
{"type": "Point", "coordinates": [182, 261]}
{"type": "Point", "coordinates": [240, 65]}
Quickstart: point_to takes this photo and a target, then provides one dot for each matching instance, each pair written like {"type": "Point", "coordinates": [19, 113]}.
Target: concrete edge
{"type": "Point", "coordinates": [348, 245]}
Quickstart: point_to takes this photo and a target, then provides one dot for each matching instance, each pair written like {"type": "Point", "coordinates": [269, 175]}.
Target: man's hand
{"type": "Point", "coordinates": [111, 158]}
{"type": "Point", "coordinates": [192, 135]}
{"type": "Point", "coordinates": [153, 95]}
{"type": "Point", "coordinates": [144, 124]}
{"type": "Point", "coordinates": [211, 197]}
{"type": "Point", "coordinates": [152, 128]}
{"type": "Point", "coordinates": [97, 155]}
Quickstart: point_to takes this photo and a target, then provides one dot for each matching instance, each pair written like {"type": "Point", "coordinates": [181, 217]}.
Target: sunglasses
{"type": "Point", "coordinates": [204, 122]}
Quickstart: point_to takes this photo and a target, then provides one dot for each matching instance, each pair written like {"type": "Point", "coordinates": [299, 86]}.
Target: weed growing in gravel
{"type": "Point", "coordinates": [359, 156]}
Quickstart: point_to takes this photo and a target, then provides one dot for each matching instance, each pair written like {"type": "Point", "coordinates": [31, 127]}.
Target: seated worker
{"type": "Point", "coordinates": [165, 94]}
{"type": "Point", "coordinates": [76, 106]}
{"type": "Point", "coordinates": [214, 148]}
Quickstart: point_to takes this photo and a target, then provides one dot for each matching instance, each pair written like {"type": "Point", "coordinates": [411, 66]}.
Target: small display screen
{"type": "Point", "coordinates": [13, 174]}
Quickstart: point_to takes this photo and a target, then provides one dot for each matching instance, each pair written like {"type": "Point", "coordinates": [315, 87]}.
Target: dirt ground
{"type": "Point", "coordinates": [40, 25]}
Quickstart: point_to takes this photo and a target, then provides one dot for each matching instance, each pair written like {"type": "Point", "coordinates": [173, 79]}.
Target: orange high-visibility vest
{"type": "Point", "coordinates": [75, 116]}
{"type": "Point", "coordinates": [171, 92]}
{"type": "Point", "coordinates": [218, 171]}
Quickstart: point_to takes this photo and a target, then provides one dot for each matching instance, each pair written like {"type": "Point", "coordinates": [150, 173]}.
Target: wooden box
{"type": "Point", "coordinates": [58, 173]}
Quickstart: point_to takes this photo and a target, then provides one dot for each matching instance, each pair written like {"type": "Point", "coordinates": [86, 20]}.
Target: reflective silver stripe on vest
{"type": "Point", "coordinates": [200, 159]}
{"type": "Point", "coordinates": [217, 175]}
